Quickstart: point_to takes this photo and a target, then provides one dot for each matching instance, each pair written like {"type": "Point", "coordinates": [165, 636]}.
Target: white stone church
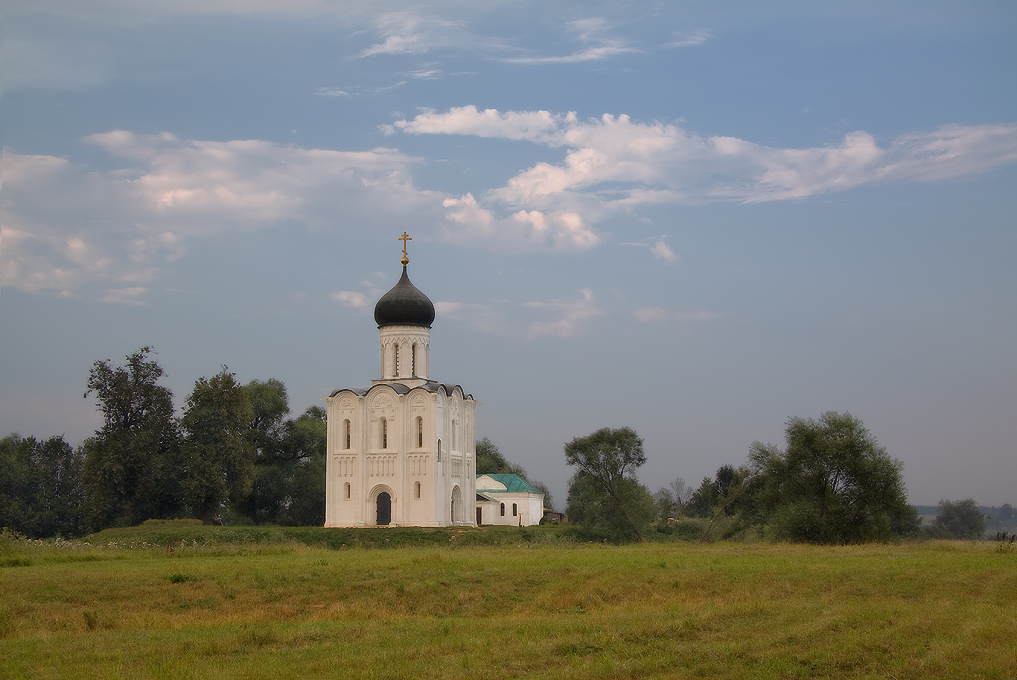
{"type": "Point", "coordinates": [401, 452]}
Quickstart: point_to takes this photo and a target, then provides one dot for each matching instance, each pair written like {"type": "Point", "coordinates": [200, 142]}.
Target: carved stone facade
{"type": "Point", "coordinates": [401, 452]}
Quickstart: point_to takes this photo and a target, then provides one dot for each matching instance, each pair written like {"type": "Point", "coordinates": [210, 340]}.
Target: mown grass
{"type": "Point", "coordinates": [522, 608]}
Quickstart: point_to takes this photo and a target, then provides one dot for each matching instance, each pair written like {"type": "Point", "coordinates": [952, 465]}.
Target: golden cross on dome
{"type": "Point", "coordinates": [404, 238]}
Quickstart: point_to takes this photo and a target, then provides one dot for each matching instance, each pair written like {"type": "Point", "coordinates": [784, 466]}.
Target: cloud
{"type": "Point", "coordinates": [588, 54]}
{"type": "Point", "coordinates": [125, 296]}
{"type": "Point", "coordinates": [570, 315]}
{"type": "Point", "coordinates": [124, 224]}
{"type": "Point", "coordinates": [662, 251]}
{"type": "Point", "coordinates": [332, 92]}
{"type": "Point", "coordinates": [592, 32]}
{"type": "Point", "coordinates": [351, 298]}
{"type": "Point", "coordinates": [534, 126]}
{"type": "Point", "coordinates": [133, 12]}
{"type": "Point", "coordinates": [648, 314]}
{"type": "Point", "coordinates": [120, 226]}
{"type": "Point", "coordinates": [201, 186]}
{"type": "Point", "coordinates": [412, 33]}
{"type": "Point", "coordinates": [424, 74]}
{"type": "Point", "coordinates": [469, 223]}
{"type": "Point", "coordinates": [689, 39]}
{"type": "Point", "coordinates": [659, 249]}
{"type": "Point", "coordinates": [615, 163]}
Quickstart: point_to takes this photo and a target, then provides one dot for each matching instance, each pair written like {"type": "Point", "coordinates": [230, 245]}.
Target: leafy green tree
{"type": "Point", "coordinates": [305, 444]}
{"type": "Point", "coordinates": [703, 499]}
{"type": "Point", "coordinates": [832, 484]}
{"type": "Point", "coordinates": [269, 407]}
{"type": "Point", "coordinates": [126, 476]}
{"type": "Point", "coordinates": [604, 491]}
{"type": "Point", "coordinates": [961, 519]}
{"type": "Point", "coordinates": [273, 466]}
{"type": "Point", "coordinates": [589, 507]}
{"type": "Point", "coordinates": [733, 501]}
{"type": "Point", "coordinates": [217, 456]}
{"type": "Point", "coordinates": [40, 487]}
{"type": "Point", "coordinates": [490, 461]}
{"type": "Point", "coordinates": [664, 500]}
{"type": "Point", "coordinates": [725, 489]}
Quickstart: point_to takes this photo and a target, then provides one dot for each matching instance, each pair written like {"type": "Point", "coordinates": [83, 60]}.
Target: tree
{"type": "Point", "coordinates": [681, 493]}
{"type": "Point", "coordinates": [604, 489]}
{"type": "Point", "coordinates": [833, 484]}
{"type": "Point", "coordinates": [273, 466]}
{"type": "Point", "coordinates": [702, 500]}
{"type": "Point", "coordinates": [672, 499]}
{"type": "Point", "coordinates": [305, 444]}
{"type": "Point", "coordinates": [126, 472]}
{"type": "Point", "coordinates": [217, 461]}
{"type": "Point", "coordinates": [664, 500]}
{"type": "Point", "coordinates": [491, 461]}
{"type": "Point", "coordinates": [961, 519]}
{"type": "Point", "coordinates": [40, 487]}
{"type": "Point", "coordinates": [1005, 512]}
{"type": "Point", "coordinates": [269, 406]}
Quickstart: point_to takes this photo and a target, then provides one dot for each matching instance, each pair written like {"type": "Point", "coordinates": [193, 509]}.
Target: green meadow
{"type": "Point", "coordinates": [215, 602]}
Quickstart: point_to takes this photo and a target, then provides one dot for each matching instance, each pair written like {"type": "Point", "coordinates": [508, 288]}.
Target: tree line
{"type": "Point", "coordinates": [832, 483]}
{"type": "Point", "coordinates": [232, 450]}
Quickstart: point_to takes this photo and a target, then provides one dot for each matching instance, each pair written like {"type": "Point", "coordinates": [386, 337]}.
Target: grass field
{"type": "Point", "coordinates": [155, 605]}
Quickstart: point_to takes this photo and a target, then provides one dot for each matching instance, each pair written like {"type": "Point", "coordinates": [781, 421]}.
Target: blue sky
{"type": "Point", "coordinates": [696, 219]}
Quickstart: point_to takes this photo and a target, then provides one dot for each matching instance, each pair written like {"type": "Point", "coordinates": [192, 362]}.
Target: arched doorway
{"type": "Point", "coordinates": [384, 509]}
{"type": "Point", "coordinates": [457, 506]}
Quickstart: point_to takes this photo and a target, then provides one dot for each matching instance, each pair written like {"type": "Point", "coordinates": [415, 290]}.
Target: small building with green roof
{"type": "Point", "coordinates": [509, 500]}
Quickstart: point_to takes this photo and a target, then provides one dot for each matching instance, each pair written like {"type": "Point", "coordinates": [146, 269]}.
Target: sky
{"type": "Point", "coordinates": [695, 219]}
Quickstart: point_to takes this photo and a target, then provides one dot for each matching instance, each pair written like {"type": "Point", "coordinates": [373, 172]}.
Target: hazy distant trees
{"type": "Point", "coordinates": [833, 483]}
{"type": "Point", "coordinates": [672, 500]}
{"type": "Point", "coordinates": [961, 519]}
{"type": "Point", "coordinates": [604, 492]}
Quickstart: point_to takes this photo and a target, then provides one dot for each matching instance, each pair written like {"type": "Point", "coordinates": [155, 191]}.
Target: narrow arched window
{"type": "Point", "coordinates": [346, 490]}
{"type": "Point", "coordinates": [439, 450]}
{"type": "Point", "coordinates": [515, 510]}
{"type": "Point", "coordinates": [413, 360]}
{"type": "Point", "coordinates": [384, 433]}
{"type": "Point", "coordinates": [347, 434]}
{"type": "Point", "coordinates": [397, 360]}
{"type": "Point", "coordinates": [416, 489]}
{"type": "Point", "coordinates": [420, 432]}
{"type": "Point", "coordinates": [502, 509]}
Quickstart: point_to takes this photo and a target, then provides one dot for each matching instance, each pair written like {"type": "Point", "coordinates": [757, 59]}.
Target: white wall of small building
{"type": "Point", "coordinates": [529, 508]}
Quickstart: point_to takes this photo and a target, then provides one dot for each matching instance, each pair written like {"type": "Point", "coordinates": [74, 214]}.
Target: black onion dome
{"type": "Point", "coordinates": [404, 305]}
